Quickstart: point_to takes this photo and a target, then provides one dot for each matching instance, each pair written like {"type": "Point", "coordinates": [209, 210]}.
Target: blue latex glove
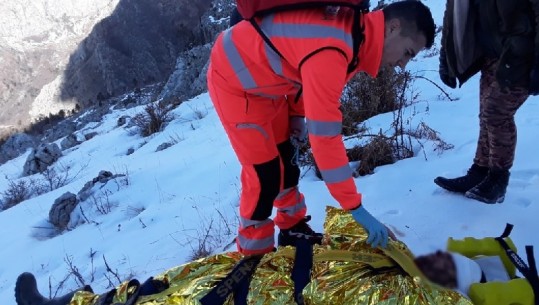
{"type": "Point", "coordinates": [378, 235]}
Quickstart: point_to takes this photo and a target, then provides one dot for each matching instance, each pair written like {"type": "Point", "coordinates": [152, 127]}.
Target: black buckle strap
{"type": "Point", "coordinates": [531, 259]}
{"type": "Point", "coordinates": [237, 282]}
{"type": "Point", "coordinates": [507, 230]}
{"type": "Point", "coordinates": [533, 276]}
{"type": "Point", "coordinates": [301, 272]}
{"type": "Point", "coordinates": [242, 288]}
{"type": "Point", "coordinates": [512, 255]}
{"type": "Point", "coordinates": [529, 272]}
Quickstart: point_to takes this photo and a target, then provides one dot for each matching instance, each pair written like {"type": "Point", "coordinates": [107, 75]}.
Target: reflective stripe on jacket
{"type": "Point", "coordinates": [317, 49]}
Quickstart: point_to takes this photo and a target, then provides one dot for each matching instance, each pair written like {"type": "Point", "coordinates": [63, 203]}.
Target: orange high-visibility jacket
{"type": "Point", "coordinates": [317, 48]}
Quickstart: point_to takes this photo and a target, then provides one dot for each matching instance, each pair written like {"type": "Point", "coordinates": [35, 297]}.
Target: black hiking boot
{"type": "Point", "coordinates": [462, 184]}
{"type": "Point", "coordinates": [492, 189]}
{"type": "Point", "coordinates": [26, 292]}
{"type": "Point", "coordinates": [301, 230]}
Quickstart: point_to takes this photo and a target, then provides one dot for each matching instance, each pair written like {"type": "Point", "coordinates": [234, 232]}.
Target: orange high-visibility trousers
{"type": "Point", "coordinates": [258, 130]}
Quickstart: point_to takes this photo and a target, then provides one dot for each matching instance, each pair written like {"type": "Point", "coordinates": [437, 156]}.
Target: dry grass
{"type": "Point", "coordinates": [154, 118]}
{"type": "Point", "coordinates": [363, 98]}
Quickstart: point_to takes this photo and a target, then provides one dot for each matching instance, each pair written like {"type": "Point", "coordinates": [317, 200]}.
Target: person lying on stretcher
{"type": "Point", "coordinates": [345, 267]}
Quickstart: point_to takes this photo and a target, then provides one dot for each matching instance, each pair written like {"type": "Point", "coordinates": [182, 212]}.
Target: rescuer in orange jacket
{"type": "Point", "coordinates": [264, 101]}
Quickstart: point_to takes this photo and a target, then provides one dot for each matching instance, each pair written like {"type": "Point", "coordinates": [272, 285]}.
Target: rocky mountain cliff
{"type": "Point", "coordinates": [36, 38]}
{"type": "Point", "coordinates": [136, 45]}
{"type": "Point", "coordinates": [55, 54]}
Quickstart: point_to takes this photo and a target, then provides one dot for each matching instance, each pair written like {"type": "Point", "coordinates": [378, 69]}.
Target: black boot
{"type": "Point", "coordinates": [492, 189]}
{"type": "Point", "coordinates": [301, 230]}
{"type": "Point", "coordinates": [462, 184]}
{"type": "Point", "coordinates": [26, 292]}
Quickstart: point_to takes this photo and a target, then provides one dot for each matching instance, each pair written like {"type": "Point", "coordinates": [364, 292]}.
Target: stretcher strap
{"type": "Point", "coordinates": [237, 280]}
{"type": "Point", "coordinates": [529, 272]}
{"type": "Point", "coordinates": [301, 272]}
{"type": "Point", "coordinates": [534, 277]}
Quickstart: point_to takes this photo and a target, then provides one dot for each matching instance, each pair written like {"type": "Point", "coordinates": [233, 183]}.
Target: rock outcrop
{"type": "Point", "coordinates": [56, 54]}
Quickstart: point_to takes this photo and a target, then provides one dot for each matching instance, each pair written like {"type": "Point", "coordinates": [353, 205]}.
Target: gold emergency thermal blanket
{"type": "Point", "coordinates": [346, 271]}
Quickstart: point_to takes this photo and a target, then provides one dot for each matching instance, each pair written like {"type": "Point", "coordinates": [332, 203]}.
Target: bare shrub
{"type": "Point", "coordinates": [379, 151]}
{"type": "Point", "coordinates": [84, 279]}
{"type": "Point", "coordinates": [365, 97]}
{"type": "Point", "coordinates": [213, 231]}
{"type": "Point", "coordinates": [176, 138]}
{"type": "Point", "coordinates": [102, 203]}
{"type": "Point", "coordinates": [74, 271]}
{"type": "Point", "coordinates": [392, 91]}
{"type": "Point", "coordinates": [402, 142]}
{"type": "Point", "coordinates": [17, 192]}
{"type": "Point", "coordinates": [122, 177]}
{"type": "Point", "coordinates": [425, 132]}
{"type": "Point", "coordinates": [24, 189]}
{"type": "Point", "coordinates": [112, 276]}
{"type": "Point", "coordinates": [54, 179]}
{"type": "Point", "coordinates": [203, 249]}
{"type": "Point", "coordinates": [198, 114]}
{"type": "Point", "coordinates": [154, 118]}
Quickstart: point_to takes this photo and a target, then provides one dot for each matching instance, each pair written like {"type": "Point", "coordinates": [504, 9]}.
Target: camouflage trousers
{"type": "Point", "coordinates": [497, 130]}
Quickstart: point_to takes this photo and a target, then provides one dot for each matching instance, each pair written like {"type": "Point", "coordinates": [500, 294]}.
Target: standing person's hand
{"type": "Point", "coordinates": [443, 70]}
{"type": "Point", "coordinates": [448, 80]}
{"type": "Point", "coordinates": [298, 129]}
{"type": "Point", "coordinates": [378, 234]}
{"type": "Point", "coordinates": [534, 81]}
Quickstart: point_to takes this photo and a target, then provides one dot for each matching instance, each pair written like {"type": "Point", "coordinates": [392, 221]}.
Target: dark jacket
{"type": "Point", "coordinates": [477, 29]}
{"type": "Point", "coordinates": [235, 17]}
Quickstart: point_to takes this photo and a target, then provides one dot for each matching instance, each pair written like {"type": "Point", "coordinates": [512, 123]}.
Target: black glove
{"type": "Point", "coordinates": [448, 80]}
{"type": "Point", "coordinates": [444, 71]}
{"type": "Point", "coordinates": [534, 81]}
